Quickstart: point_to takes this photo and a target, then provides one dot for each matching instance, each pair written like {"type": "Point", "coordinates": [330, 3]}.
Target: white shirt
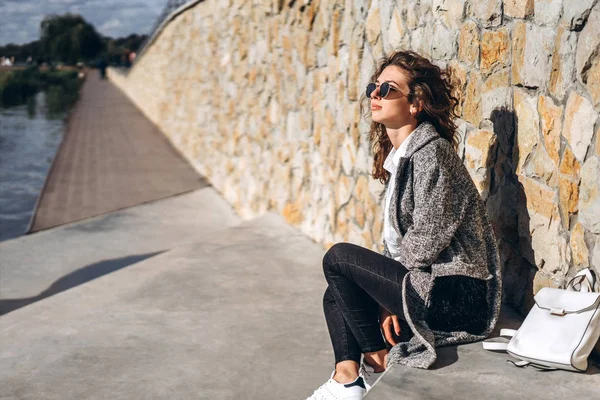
{"type": "Point", "coordinates": [391, 165]}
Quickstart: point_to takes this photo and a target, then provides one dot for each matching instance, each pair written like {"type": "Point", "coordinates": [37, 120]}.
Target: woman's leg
{"type": "Point", "coordinates": [359, 281]}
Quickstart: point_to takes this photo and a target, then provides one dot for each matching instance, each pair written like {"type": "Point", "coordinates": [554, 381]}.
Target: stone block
{"type": "Point", "coordinates": [386, 9]}
{"type": "Point", "coordinates": [488, 12]}
{"type": "Point", "coordinates": [576, 13]}
{"type": "Point", "coordinates": [479, 144]}
{"type": "Point", "coordinates": [541, 167]}
{"type": "Point", "coordinates": [579, 249]}
{"type": "Point", "coordinates": [532, 54]}
{"type": "Point", "coordinates": [421, 39]}
{"type": "Point", "coordinates": [547, 12]}
{"type": "Point", "coordinates": [598, 141]}
{"type": "Point", "coordinates": [569, 166]}
{"type": "Point", "coordinates": [527, 127]}
{"type": "Point", "coordinates": [472, 104]}
{"type": "Point", "coordinates": [551, 252]}
{"type": "Point", "coordinates": [595, 259]}
{"type": "Point", "coordinates": [563, 61]}
{"type": "Point", "coordinates": [587, 59]}
{"type": "Point", "coordinates": [496, 93]}
{"type": "Point", "coordinates": [568, 198]}
{"type": "Point", "coordinates": [450, 12]}
{"type": "Point", "coordinates": [589, 195]}
{"type": "Point", "coordinates": [578, 126]}
{"type": "Point", "coordinates": [373, 24]}
{"type": "Point", "coordinates": [495, 50]}
{"type": "Point", "coordinates": [518, 8]}
{"type": "Point", "coordinates": [444, 43]}
{"type": "Point", "coordinates": [551, 117]}
{"type": "Point", "coordinates": [459, 79]}
{"type": "Point", "coordinates": [397, 33]}
{"type": "Point", "coordinates": [468, 44]}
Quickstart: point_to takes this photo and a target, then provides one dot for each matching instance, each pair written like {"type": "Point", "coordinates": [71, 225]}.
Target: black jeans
{"type": "Point", "coordinates": [360, 280]}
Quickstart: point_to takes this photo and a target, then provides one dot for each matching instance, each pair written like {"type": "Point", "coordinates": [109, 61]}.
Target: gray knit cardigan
{"type": "Point", "coordinates": [438, 213]}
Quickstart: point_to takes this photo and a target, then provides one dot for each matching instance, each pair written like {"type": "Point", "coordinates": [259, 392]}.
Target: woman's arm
{"type": "Point", "coordinates": [439, 207]}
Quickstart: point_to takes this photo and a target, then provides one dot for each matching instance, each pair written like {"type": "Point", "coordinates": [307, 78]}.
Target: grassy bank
{"type": "Point", "coordinates": [17, 86]}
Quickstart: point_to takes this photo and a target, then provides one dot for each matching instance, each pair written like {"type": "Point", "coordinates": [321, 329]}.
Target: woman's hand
{"type": "Point", "coordinates": [387, 320]}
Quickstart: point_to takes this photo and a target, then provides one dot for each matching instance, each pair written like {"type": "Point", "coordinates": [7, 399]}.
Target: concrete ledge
{"type": "Point", "coordinates": [470, 372]}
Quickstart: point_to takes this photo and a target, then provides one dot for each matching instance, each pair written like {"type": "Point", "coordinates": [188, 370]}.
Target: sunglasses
{"type": "Point", "coordinates": [384, 89]}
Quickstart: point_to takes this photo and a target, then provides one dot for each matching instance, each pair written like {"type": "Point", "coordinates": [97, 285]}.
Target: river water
{"type": "Point", "coordinates": [29, 139]}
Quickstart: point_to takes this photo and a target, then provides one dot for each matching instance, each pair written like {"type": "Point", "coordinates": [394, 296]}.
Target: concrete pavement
{"type": "Point", "coordinates": [178, 298]}
{"type": "Point", "coordinates": [232, 313]}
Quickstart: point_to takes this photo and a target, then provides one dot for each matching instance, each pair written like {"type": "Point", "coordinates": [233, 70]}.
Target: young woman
{"type": "Point", "coordinates": [439, 272]}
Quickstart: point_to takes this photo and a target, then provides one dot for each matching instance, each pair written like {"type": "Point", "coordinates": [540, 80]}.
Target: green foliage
{"type": "Point", "coordinates": [18, 86]}
{"type": "Point", "coordinates": [70, 39]}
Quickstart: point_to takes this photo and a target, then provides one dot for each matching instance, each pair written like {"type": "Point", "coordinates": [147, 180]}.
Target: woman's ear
{"type": "Point", "coordinates": [416, 107]}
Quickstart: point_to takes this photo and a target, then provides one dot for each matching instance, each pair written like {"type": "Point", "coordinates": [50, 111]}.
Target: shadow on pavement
{"type": "Point", "coordinates": [76, 278]}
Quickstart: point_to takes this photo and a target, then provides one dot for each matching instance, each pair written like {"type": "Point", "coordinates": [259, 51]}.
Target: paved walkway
{"type": "Point", "coordinates": [111, 157]}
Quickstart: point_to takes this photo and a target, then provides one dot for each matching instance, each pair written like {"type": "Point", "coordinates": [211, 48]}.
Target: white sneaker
{"type": "Point", "coordinates": [370, 377]}
{"type": "Point", "coordinates": [333, 390]}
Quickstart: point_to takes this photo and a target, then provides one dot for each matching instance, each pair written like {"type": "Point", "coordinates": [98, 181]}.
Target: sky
{"type": "Point", "coordinates": [20, 19]}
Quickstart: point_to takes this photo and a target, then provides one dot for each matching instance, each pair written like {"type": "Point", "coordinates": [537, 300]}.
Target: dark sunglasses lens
{"type": "Point", "coordinates": [370, 89]}
{"type": "Point", "coordinates": [384, 89]}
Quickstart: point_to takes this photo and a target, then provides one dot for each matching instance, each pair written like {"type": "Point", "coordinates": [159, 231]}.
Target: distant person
{"type": "Point", "coordinates": [132, 56]}
{"type": "Point", "coordinates": [102, 67]}
{"type": "Point", "coordinates": [6, 62]}
{"type": "Point", "coordinates": [439, 273]}
{"type": "Point", "coordinates": [126, 60]}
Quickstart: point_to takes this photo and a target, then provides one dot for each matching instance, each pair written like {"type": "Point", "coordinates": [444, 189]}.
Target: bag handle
{"type": "Point", "coordinates": [584, 281]}
{"type": "Point", "coordinates": [499, 343]}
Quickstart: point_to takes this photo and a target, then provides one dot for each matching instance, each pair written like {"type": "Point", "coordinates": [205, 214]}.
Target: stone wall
{"type": "Point", "coordinates": [263, 98]}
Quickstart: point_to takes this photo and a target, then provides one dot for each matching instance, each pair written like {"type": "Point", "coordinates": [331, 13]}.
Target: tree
{"type": "Point", "coordinates": [69, 38]}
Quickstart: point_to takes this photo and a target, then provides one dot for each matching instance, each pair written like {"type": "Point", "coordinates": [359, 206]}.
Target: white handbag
{"type": "Point", "coordinates": [561, 329]}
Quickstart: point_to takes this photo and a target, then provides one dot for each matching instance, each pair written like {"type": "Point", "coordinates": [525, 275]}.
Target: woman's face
{"type": "Point", "coordinates": [395, 110]}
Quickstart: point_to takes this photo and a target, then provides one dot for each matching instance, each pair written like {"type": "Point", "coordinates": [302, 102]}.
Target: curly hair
{"type": "Point", "coordinates": [428, 84]}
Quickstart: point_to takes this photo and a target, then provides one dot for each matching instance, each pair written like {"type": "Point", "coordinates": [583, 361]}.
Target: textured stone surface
{"type": "Point", "coordinates": [468, 43]}
{"type": "Point", "coordinates": [568, 197]}
{"type": "Point", "coordinates": [589, 197]}
{"type": "Point", "coordinates": [496, 93]}
{"type": "Point", "coordinates": [576, 13]}
{"type": "Point", "coordinates": [444, 42]}
{"type": "Point", "coordinates": [578, 127]}
{"type": "Point", "coordinates": [569, 166]}
{"type": "Point", "coordinates": [397, 33]}
{"type": "Point", "coordinates": [598, 141]}
{"type": "Point", "coordinates": [478, 147]}
{"type": "Point", "coordinates": [532, 47]}
{"type": "Point", "coordinates": [547, 12]}
{"type": "Point", "coordinates": [550, 248]}
{"type": "Point", "coordinates": [563, 61]}
{"type": "Point", "coordinates": [518, 8]}
{"type": "Point", "coordinates": [450, 12]}
{"type": "Point", "coordinates": [579, 249]}
{"type": "Point", "coordinates": [587, 59]}
{"type": "Point", "coordinates": [373, 23]}
{"type": "Point", "coordinates": [472, 102]}
{"type": "Point", "coordinates": [550, 116]}
{"type": "Point", "coordinates": [527, 127]}
{"type": "Point", "coordinates": [488, 12]}
{"type": "Point", "coordinates": [495, 50]}
{"type": "Point", "coordinates": [541, 167]}
{"type": "Point", "coordinates": [289, 136]}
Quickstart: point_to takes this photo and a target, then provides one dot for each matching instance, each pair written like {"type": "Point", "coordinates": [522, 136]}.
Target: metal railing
{"type": "Point", "coordinates": [170, 11]}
